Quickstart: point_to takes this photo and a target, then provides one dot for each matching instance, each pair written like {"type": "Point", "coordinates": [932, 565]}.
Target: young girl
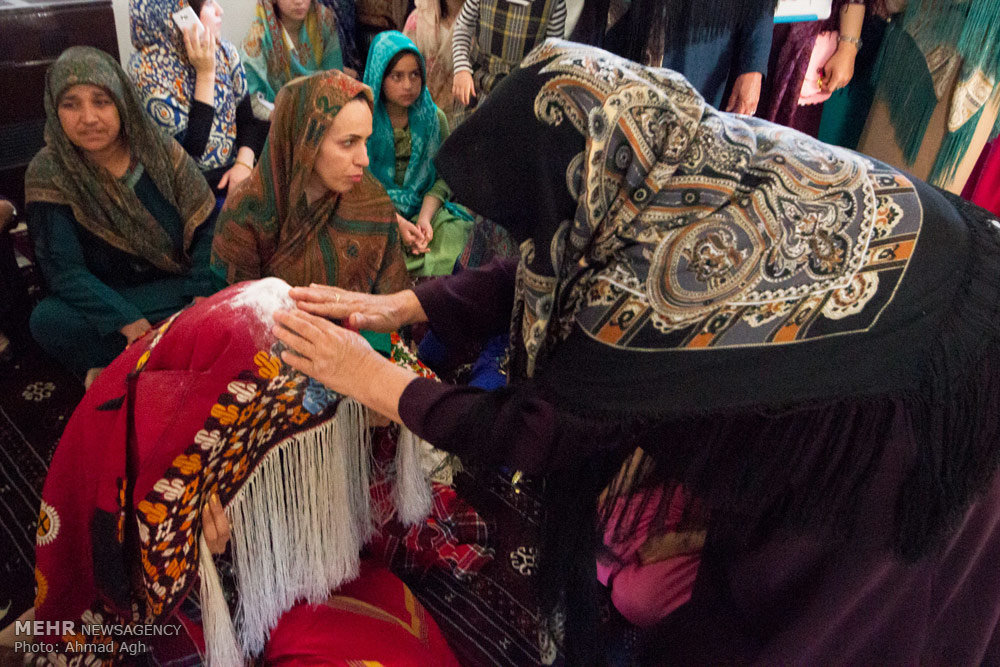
{"type": "Point", "coordinates": [407, 130]}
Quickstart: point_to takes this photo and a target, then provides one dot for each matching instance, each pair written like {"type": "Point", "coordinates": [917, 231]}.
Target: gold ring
{"type": "Point", "coordinates": [337, 297]}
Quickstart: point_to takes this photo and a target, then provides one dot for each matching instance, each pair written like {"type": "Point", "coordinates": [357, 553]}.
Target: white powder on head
{"type": "Point", "coordinates": [264, 298]}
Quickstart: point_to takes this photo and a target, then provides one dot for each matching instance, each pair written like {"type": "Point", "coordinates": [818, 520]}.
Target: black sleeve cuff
{"type": "Point", "coordinates": [250, 131]}
{"type": "Point", "coordinates": [200, 119]}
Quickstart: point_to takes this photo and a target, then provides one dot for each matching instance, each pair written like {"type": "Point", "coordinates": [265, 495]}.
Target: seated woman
{"type": "Point", "coordinates": [407, 130]}
{"type": "Point", "coordinates": [193, 86]}
{"type": "Point", "coordinates": [312, 212]}
{"type": "Point", "coordinates": [287, 39]}
{"type": "Point", "coordinates": [120, 216]}
{"type": "Point", "coordinates": [803, 339]}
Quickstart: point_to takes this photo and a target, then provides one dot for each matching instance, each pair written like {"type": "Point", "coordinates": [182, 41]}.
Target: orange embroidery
{"type": "Point", "coordinates": [43, 588]}
{"type": "Point", "coordinates": [246, 413]}
{"type": "Point", "coordinates": [174, 568]}
{"type": "Point", "coordinates": [188, 464]}
{"type": "Point", "coordinates": [225, 415]}
{"type": "Point", "coordinates": [189, 492]}
{"type": "Point", "coordinates": [298, 416]}
{"type": "Point", "coordinates": [268, 365]}
{"type": "Point", "coordinates": [155, 513]}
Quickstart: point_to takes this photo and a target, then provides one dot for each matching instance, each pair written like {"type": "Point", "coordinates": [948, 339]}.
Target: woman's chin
{"type": "Point", "coordinates": [344, 187]}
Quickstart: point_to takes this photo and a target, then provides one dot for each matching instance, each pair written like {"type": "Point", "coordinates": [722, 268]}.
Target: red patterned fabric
{"type": "Point", "coordinates": [452, 538]}
{"type": "Point", "coordinates": [194, 407]}
{"type": "Point", "coordinates": [196, 388]}
{"type": "Point", "coordinates": [373, 620]}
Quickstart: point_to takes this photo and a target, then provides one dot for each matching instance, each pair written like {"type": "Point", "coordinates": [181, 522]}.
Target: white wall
{"type": "Point", "coordinates": [236, 18]}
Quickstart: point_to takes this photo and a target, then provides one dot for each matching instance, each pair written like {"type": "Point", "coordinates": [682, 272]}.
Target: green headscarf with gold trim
{"type": "Point", "coordinates": [104, 205]}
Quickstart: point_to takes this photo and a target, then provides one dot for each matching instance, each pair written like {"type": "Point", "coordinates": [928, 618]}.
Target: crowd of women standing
{"type": "Point", "coordinates": [753, 373]}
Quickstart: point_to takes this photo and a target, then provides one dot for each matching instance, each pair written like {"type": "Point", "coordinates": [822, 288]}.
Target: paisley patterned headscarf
{"type": "Point", "coordinates": [769, 305]}
{"type": "Point", "coordinates": [165, 78]}
{"type": "Point", "coordinates": [271, 61]}
{"type": "Point", "coordinates": [104, 205]}
{"type": "Point", "coordinates": [268, 228]}
{"type": "Point", "coordinates": [688, 229]}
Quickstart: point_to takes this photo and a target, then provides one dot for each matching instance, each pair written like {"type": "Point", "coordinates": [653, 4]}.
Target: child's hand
{"type": "Point", "coordinates": [425, 229]}
{"type": "Point", "coordinates": [463, 89]}
{"type": "Point", "coordinates": [410, 234]}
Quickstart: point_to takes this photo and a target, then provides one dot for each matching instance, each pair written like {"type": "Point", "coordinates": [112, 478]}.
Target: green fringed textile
{"type": "Point", "coordinates": [971, 29]}
{"type": "Point", "coordinates": [979, 44]}
{"type": "Point", "coordinates": [953, 148]}
{"type": "Point", "coordinates": [905, 84]}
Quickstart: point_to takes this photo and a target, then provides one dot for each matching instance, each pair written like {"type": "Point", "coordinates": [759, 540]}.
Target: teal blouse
{"type": "Point", "coordinates": [110, 287]}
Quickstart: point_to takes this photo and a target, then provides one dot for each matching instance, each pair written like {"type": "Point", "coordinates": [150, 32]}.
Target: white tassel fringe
{"type": "Point", "coordinates": [298, 525]}
{"type": "Point", "coordinates": [222, 649]}
{"type": "Point", "coordinates": [412, 493]}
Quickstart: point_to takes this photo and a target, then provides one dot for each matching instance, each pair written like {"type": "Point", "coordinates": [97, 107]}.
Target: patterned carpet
{"type": "Point", "coordinates": [36, 400]}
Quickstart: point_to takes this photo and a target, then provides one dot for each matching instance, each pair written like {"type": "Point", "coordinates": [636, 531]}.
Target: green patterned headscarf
{"type": "Point", "coordinates": [423, 121]}
{"type": "Point", "coordinates": [104, 205]}
{"type": "Point", "coordinates": [271, 61]}
{"type": "Point", "coordinates": [268, 227]}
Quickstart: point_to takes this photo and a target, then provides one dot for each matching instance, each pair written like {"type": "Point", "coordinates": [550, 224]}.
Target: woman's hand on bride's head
{"type": "Point", "coordinates": [374, 312]}
{"type": "Point", "coordinates": [324, 351]}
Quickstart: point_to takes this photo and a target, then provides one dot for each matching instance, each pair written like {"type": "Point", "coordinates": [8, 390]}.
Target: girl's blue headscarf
{"type": "Point", "coordinates": [425, 129]}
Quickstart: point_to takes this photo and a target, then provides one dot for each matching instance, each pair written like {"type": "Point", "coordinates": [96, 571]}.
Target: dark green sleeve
{"type": "Point", "coordinates": [61, 259]}
{"type": "Point", "coordinates": [440, 189]}
{"type": "Point", "coordinates": [202, 280]}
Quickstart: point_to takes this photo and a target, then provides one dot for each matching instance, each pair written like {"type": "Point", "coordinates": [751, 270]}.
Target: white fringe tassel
{"type": "Point", "coordinates": [412, 493]}
{"type": "Point", "coordinates": [299, 522]}
{"type": "Point", "coordinates": [298, 525]}
{"type": "Point", "coordinates": [221, 646]}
